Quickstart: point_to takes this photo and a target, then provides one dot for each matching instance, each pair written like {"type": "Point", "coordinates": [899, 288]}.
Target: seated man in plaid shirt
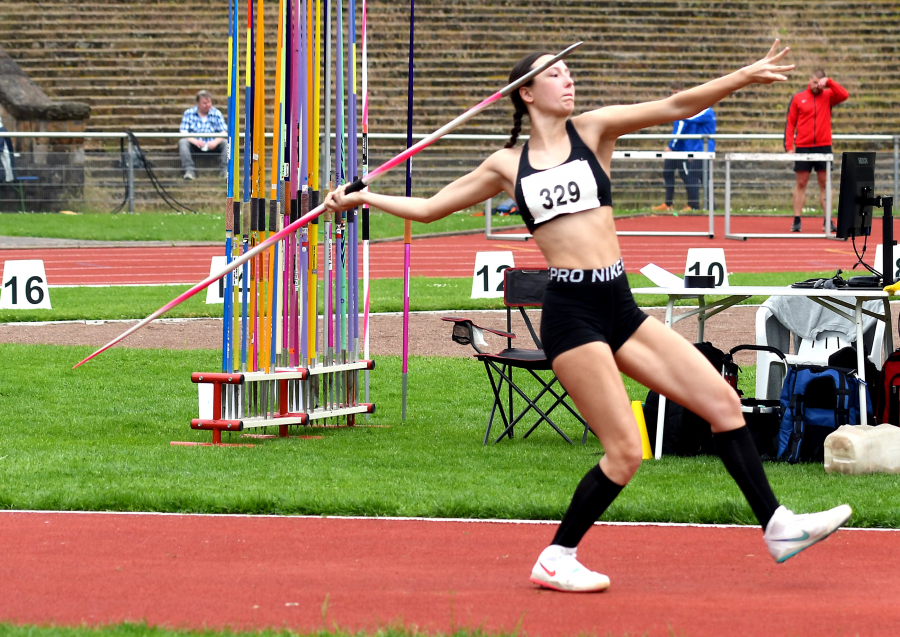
{"type": "Point", "coordinates": [202, 118]}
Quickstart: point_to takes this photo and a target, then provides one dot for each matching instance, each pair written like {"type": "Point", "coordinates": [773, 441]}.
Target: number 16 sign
{"type": "Point", "coordinates": [24, 286]}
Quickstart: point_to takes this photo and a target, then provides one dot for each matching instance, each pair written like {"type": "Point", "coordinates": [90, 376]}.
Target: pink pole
{"type": "Point", "coordinates": [406, 259]}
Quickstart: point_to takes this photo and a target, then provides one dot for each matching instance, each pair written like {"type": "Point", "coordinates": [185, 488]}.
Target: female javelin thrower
{"type": "Point", "coordinates": [591, 327]}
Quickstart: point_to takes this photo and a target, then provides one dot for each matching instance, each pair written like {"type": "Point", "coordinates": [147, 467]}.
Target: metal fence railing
{"type": "Point", "coordinates": [104, 179]}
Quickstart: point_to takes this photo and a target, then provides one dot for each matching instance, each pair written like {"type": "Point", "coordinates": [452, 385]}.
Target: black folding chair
{"type": "Point", "coordinates": [522, 288]}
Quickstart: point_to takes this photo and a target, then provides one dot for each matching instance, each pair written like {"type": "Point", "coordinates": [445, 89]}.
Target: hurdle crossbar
{"type": "Point", "coordinates": [785, 157]}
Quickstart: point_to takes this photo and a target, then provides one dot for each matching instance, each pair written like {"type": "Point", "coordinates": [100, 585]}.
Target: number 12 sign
{"type": "Point", "coordinates": [487, 281]}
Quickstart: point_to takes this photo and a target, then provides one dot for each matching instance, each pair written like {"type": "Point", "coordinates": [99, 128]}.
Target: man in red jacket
{"type": "Point", "coordinates": [808, 130]}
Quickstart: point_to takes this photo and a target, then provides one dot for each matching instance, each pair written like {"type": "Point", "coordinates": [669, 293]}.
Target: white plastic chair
{"type": "Point", "coordinates": [770, 370]}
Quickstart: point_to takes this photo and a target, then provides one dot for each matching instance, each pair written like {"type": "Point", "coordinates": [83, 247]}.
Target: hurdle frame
{"type": "Point", "coordinates": [826, 157]}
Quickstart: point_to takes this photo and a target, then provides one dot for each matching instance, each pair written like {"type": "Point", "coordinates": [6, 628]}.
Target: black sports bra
{"type": "Point", "coordinates": [577, 184]}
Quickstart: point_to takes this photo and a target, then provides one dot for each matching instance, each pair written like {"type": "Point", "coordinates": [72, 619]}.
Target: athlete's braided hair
{"type": "Point", "coordinates": [521, 67]}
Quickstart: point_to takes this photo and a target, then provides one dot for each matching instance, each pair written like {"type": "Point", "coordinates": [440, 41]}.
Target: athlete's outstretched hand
{"type": "Point", "coordinates": [769, 69]}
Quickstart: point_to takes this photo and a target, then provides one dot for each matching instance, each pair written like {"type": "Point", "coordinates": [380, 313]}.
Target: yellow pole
{"type": "Point", "coordinates": [638, 409]}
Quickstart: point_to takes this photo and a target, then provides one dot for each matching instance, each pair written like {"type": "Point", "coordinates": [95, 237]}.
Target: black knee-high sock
{"type": "Point", "coordinates": [593, 495]}
{"type": "Point", "coordinates": [739, 454]}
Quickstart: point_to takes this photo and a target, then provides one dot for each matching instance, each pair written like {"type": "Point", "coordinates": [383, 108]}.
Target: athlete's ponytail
{"type": "Point", "coordinates": [517, 127]}
{"type": "Point", "coordinates": [521, 68]}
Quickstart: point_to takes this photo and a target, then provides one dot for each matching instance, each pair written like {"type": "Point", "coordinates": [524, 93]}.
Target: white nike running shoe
{"type": "Point", "coordinates": [558, 569]}
{"type": "Point", "coordinates": [788, 533]}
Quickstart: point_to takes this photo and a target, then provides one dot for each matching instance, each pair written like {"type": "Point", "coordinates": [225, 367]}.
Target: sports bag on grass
{"type": "Point", "coordinates": [815, 401]}
{"type": "Point", "coordinates": [846, 357]}
{"type": "Point", "coordinates": [762, 416]}
{"type": "Point", "coordinates": [889, 403]}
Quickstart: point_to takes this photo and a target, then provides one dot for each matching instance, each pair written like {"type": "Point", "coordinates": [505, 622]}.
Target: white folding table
{"type": "Point", "coordinates": [838, 301]}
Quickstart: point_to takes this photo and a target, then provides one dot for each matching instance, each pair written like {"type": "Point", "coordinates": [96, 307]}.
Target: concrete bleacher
{"type": "Point", "coordinates": [138, 63]}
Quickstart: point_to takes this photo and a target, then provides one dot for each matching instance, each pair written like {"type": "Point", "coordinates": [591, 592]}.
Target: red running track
{"type": "Point", "coordinates": [311, 573]}
{"type": "Point", "coordinates": [455, 256]}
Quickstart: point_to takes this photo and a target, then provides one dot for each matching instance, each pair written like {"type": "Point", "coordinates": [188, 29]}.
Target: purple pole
{"type": "Point", "coordinates": [407, 226]}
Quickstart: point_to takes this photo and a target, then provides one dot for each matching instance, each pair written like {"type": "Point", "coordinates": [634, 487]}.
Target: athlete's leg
{"type": "Point", "coordinates": [800, 191]}
{"type": "Point", "coordinates": [669, 179]}
{"type": "Point", "coordinates": [590, 376]}
{"type": "Point", "coordinates": [662, 360]}
{"type": "Point", "coordinates": [822, 178]}
{"type": "Point", "coordinates": [691, 172]}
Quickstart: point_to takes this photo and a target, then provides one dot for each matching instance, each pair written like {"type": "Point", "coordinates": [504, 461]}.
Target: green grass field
{"type": "Point", "coordinates": [102, 443]}
{"type": "Point", "coordinates": [426, 294]}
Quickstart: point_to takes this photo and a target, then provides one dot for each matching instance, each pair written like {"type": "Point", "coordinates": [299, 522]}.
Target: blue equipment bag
{"type": "Point", "coordinates": [508, 207]}
{"type": "Point", "coordinates": [815, 401]}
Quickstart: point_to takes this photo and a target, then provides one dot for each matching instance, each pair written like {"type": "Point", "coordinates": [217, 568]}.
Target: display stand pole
{"type": "Point", "coordinates": [887, 240]}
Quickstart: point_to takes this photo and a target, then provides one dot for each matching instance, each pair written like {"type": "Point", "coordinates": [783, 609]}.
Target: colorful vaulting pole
{"type": "Point", "coordinates": [340, 179]}
{"type": "Point", "coordinates": [365, 210]}
{"type": "Point", "coordinates": [274, 199]}
{"type": "Point", "coordinates": [245, 207]}
{"type": "Point", "coordinates": [354, 187]}
{"type": "Point", "coordinates": [293, 281]}
{"type": "Point", "coordinates": [407, 225]}
{"type": "Point", "coordinates": [288, 178]}
{"type": "Point", "coordinates": [303, 133]}
{"type": "Point", "coordinates": [328, 329]}
{"type": "Point", "coordinates": [234, 325]}
{"type": "Point", "coordinates": [227, 334]}
{"type": "Point", "coordinates": [314, 35]}
{"type": "Point", "coordinates": [353, 175]}
{"type": "Point", "coordinates": [259, 177]}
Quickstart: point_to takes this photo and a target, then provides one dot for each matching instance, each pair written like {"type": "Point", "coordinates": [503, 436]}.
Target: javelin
{"type": "Point", "coordinates": [356, 186]}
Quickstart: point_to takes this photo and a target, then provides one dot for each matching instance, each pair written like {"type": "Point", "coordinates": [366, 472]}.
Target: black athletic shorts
{"type": "Point", "coordinates": [807, 166]}
{"type": "Point", "coordinates": [584, 306]}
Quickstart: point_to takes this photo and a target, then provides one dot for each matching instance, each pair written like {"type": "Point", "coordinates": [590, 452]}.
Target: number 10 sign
{"type": "Point", "coordinates": [24, 286]}
{"type": "Point", "coordinates": [708, 261]}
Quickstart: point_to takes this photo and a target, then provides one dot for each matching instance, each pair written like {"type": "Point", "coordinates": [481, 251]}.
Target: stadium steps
{"type": "Point", "coordinates": [138, 63]}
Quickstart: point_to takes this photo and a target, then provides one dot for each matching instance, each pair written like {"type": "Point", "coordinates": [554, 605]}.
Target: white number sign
{"type": "Point", "coordinates": [487, 280]}
{"type": "Point", "coordinates": [707, 261]}
{"type": "Point", "coordinates": [24, 286]}
{"type": "Point", "coordinates": [215, 293]}
{"type": "Point", "coordinates": [879, 250]}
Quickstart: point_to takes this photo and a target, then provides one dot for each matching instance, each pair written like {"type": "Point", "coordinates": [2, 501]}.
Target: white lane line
{"type": "Point", "coordinates": [403, 519]}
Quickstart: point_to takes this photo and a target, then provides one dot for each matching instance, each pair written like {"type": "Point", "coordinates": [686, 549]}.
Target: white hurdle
{"type": "Point", "coordinates": [707, 186]}
{"type": "Point", "coordinates": [730, 157]}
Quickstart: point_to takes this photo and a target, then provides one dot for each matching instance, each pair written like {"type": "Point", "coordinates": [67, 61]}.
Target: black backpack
{"type": "Point", "coordinates": [846, 358]}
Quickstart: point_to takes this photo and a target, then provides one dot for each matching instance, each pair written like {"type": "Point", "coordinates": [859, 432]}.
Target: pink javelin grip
{"type": "Point", "coordinates": [356, 186]}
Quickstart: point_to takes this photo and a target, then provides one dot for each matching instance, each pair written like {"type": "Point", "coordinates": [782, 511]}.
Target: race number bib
{"type": "Point", "coordinates": [563, 190]}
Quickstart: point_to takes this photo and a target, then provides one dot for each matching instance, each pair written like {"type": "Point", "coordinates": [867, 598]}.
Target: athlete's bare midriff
{"type": "Point", "coordinates": [583, 240]}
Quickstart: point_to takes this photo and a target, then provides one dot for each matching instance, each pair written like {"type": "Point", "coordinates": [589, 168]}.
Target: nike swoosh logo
{"type": "Point", "coordinates": [805, 536]}
{"type": "Point", "coordinates": [548, 571]}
